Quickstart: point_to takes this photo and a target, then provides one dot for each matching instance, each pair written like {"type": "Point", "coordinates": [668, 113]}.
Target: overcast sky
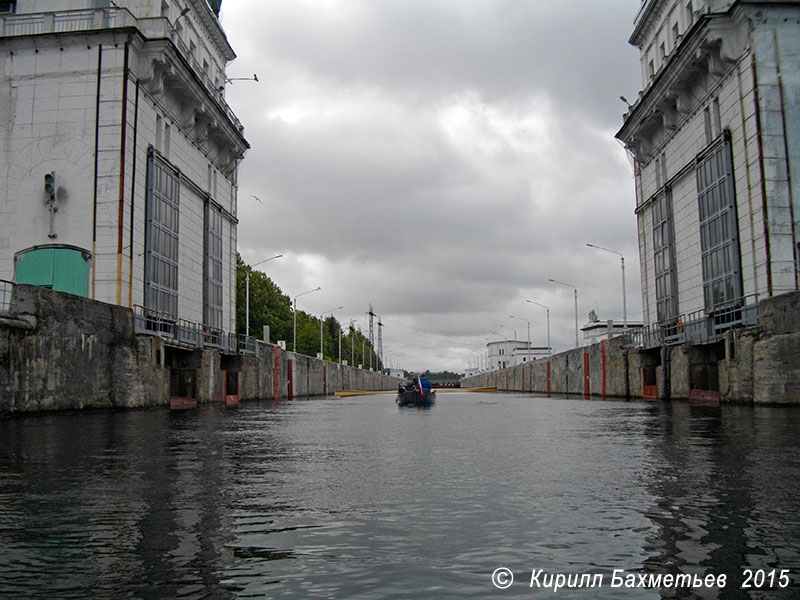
{"type": "Point", "coordinates": [440, 159]}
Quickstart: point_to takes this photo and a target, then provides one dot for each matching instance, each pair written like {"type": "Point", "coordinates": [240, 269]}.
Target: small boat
{"type": "Point", "coordinates": [414, 398]}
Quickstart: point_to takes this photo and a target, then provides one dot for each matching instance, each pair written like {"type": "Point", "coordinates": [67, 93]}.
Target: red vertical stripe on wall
{"type": "Point", "coordinates": [289, 380]}
{"type": "Point", "coordinates": [276, 376]}
{"type": "Point", "coordinates": [603, 361]}
{"type": "Point", "coordinates": [586, 389]}
{"type": "Point", "coordinates": [548, 377]}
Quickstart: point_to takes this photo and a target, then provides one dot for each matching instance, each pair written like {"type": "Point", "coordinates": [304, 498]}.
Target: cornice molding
{"type": "Point", "coordinates": [649, 13]}
{"type": "Point", "coordinates": [709, 53]}
{"type": "Point", "coordinates": [214, 28]}
{"type": "Point", "coordinates": [165, 75]}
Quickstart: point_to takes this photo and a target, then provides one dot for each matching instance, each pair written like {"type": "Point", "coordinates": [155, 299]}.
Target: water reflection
{"type": "Point", "coordinates": [339, 498]}
{"type": "Point", "coordinates": [723, 504]}
{"type": "Point", "coordinates": [125, 502]}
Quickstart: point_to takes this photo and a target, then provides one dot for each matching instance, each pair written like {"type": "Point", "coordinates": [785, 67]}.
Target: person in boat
{"type": "Point", "coordinates": [426, 385]}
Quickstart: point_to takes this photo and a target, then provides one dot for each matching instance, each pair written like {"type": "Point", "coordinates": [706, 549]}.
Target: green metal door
{"type": "Point", "coordinates": [60, 268]}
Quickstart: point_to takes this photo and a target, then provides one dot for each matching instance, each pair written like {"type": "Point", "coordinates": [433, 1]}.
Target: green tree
{"type": "Point", "coordinates": [268, 304]}
{"type": "Point", "coordinates": [330, 330]}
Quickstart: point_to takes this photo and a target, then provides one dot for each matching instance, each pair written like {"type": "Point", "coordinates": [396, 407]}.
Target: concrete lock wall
{"type": "Point", "coordinates": [745, 365]}
{"type": "Point", "coordinates": [59, 351]}
{"type": "Point", "coordinates": [64, 352]}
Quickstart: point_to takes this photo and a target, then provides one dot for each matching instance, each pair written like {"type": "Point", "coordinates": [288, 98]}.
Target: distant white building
{"type": "Point", "coordinates": [508, 353]}
{"type": "Point", "coordinates": [597, 331]}
{"type": "Point", "coordinates": [120, 154]}
{"type": "Point", "coordinates": [715, 138]}
{"type": "Point", "coordinates": [471, 371]}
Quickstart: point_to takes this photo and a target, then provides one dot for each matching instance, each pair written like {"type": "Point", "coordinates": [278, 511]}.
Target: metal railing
{"type": "Point", "coordinates": [247, 345]}
{"type": "Point", "coordinates": [697, 327]}
{"type": "Point", "coordinates": [189, 334]}
{"type": "Point", "coordinates": [6, 291]}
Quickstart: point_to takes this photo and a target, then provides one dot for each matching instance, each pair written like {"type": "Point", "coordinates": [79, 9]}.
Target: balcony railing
{"type": "Point", "coordinates": [64, 21]}
{"type": "Point", "coordinates": [698, 327]}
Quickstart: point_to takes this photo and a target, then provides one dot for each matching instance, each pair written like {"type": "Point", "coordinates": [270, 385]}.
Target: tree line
{"type": "Point", "coordinates": [270, 306]}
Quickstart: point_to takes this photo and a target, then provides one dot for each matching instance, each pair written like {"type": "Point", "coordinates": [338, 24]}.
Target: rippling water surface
{"type": "Point", "coordinates": [357, 498]}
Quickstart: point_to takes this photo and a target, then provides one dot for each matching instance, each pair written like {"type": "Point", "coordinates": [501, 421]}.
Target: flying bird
{"type": "Point", "coordinates": [257, 198]}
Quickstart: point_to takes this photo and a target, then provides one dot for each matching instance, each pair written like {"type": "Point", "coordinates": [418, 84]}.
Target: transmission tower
{"type": "Point", "coordinates": [380, 342]}
{"type": "Point", "coordinates": [371, 330]}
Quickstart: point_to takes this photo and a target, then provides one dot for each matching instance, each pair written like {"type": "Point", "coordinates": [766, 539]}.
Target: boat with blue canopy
{"type": "Point", "coordinates": [419, 393]}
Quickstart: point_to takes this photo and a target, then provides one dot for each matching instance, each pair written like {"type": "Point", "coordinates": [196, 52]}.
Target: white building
{"type": "Point", "coordinates": [122, 104]}
{"type": "Point", "coordinates": [715, 138]}
{"type": "Point", "coordinates": [597, 331]}
{"type": "Point", "coordinates": [508, 353]}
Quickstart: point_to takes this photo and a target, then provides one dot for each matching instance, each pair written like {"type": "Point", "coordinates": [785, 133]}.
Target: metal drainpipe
{"type": "Point", "coordinates": [761, 169]}
{"type": "Point", "coordinates": [96, 166]}
{"type": "Point", "coordinates": [123, 141]}
{"type": "Point", "coordinates": [133, 192]}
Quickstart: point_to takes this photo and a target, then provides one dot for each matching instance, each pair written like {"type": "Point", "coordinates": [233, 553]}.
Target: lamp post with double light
{"type": "Point", "coordinates": [331, 311]}
{"type": "Point", "coordinates": [622, 264]}
{"type": "Point", "coordinates": [294, 315]}
{"type": "Point", "coordinates": [247, 291]}
{"type": "Point", "coordinates": [513, 355]}
{"type": "Point", "coordinates": [529, 333]}
{"type": "Point", "coordinates": [549, 349]}
{"type": "Point", "coordinates": [576, 305]}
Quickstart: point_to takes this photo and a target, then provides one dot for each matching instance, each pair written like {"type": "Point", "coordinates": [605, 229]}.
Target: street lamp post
{"type": "Point", "coordinates": [352, 344]}
{"type": "Point", "coordinates": [529, 332]}
{"type": "Point", "coordinates": [321, 352]}
{"type": "Point", "coordinates": [515, 343]}
{"type": "Point", "coordinates": [576, 305]}
{"type": "Point", "coordinates": [294, 316]}
{"type": "Point", "coordinates": [549, 349]}
{"type": "Point", "coordinates": [487, 357]}
{"type": "Point", "coordinates": [247, 291]}
{"type": "Point", "coordinates": [622, 264]}
{"type": "Point", "coordinates": [505, 345]}
{"type": "Point", "coordinates": [184, 12]}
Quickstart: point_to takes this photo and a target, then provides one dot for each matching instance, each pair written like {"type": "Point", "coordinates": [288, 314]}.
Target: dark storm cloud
{"type": "Point", "coordinates": [440, 159]}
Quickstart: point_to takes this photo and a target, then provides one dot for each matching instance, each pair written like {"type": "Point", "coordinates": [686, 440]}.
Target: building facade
{"type": "Point", "coordinates": [715, 138]}
{"type": "Point", "coordinates": [120, 155]}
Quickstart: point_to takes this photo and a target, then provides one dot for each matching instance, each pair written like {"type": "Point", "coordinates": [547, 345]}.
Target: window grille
{"type": "Point", "coordinates": [664, 257]}
{"type": "Point", "coordinates": [719, 231]}
{"type": "Point", "coordinates": [213, 267]}
{"type": "Point", "coordinates": [161, 236]}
